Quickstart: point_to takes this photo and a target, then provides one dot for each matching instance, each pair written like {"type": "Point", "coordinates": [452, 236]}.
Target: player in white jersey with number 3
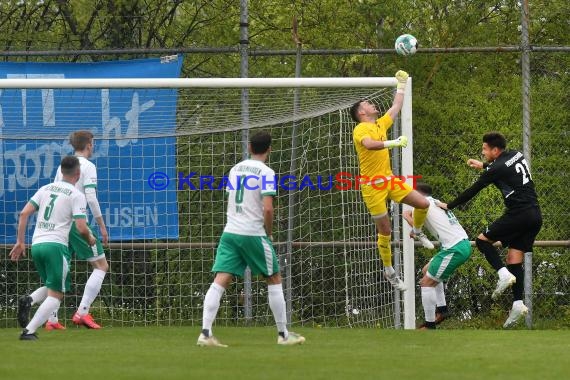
{"type": "Point", "coordinates": [455, 250]}
{"type": "Point", "coordinates": [58, 205]}
{"type": "Point", "coordinates": [247, 240]}
{"type": "Point", "coordinates": [82, 142]}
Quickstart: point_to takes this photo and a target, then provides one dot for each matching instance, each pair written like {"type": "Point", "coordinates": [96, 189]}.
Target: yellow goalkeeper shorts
{"type": "Point", "coordinates": [375, 195]}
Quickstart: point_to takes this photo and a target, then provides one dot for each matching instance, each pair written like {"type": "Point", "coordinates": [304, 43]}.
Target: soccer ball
{"type": "Point", "coordinates": [406, 44]}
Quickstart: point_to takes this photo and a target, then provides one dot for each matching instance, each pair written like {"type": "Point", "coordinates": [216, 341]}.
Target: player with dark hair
{"type": "Point", "coordinates": [455, 250]}
{"type": "Point", "coordinates": [58, 205]}
{"type": "Point", "coordinates": [83, 145]}
{"type": "Point", "coordinates": [517, 227]}
{"type": "Point", "coordinates": [247, 241]}
{"type": "Point", "coordinates": [371, 144]}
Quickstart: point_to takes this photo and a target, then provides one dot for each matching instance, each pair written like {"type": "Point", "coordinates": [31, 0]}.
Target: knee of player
{"type": "Point", "coordinates": [274, 279]}
{"type": "Point", "coordinates": [55, 293]}
{"type": "Point", "coordinates": [386, 231]}
{"type": "Point", "coordinates": [223, 279]}
{"type": "Point", "coordinates": [101, 265]}
{"type": "Point", "coordinates": [423, 204]}
{"type": "Point", "coordinates": [425, 281]}
{"type": "Point", "coordinates": [383, 225]}
{"type": "Point", "coordinates": [513, 260]}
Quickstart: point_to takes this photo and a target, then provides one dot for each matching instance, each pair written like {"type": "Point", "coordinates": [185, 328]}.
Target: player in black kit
{"type": "Point", "coordinates": [517, 227]}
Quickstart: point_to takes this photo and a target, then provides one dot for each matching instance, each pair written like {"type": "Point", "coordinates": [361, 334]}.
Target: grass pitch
{"type": "Point", "coordinates": [171, 353]}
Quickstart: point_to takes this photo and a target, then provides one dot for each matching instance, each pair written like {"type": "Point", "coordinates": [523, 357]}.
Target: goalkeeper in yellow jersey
{"type": "Point", "coordinates": [371, 144]}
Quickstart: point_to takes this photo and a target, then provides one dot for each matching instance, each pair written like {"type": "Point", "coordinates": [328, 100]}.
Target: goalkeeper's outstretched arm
{"type": "Point", "coordinates": [372, 144]}
{"type": "Point", "coordinates": [402, 78]}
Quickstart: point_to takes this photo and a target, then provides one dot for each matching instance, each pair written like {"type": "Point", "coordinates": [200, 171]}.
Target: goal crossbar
{"type": "Point", "coordinates": [45, 83]}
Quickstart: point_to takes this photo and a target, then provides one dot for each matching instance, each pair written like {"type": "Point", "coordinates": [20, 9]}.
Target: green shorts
{"type": "Point", "coordinates": [235, 252]}
{"type": "Point", "coordinates": [51, 263]}
{"type": "Point", "coordinates": [446, 261]}
{"type": "Point", "coordinates": [79, 247]}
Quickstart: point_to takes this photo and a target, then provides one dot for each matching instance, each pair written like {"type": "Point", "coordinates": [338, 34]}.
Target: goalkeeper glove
{"type": "Point", "coordinates": [401, 141]}
{"type": "Point", "coordinates": [402, 78]}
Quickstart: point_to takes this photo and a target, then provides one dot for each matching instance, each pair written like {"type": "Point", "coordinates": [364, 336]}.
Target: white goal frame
{"type": "Point", "coordinates": [245, 83]}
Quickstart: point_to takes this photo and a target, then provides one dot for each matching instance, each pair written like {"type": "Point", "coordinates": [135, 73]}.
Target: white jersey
{"type": "Point", "coordinates": [58, 204]}
{"type": "Point", "coordinates": [87, 178]}
{"type": "Point", "coordinates": [443, 225]}
{"type": "Point", "coordinates": [248, 182]}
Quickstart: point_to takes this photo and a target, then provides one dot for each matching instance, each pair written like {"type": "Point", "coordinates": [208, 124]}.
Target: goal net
{"type": "Point", "coordinates": [162, 148]}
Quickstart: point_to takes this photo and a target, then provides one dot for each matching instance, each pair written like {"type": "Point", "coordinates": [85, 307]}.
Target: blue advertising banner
{"type": "Point", "coordinates": [35, 125]}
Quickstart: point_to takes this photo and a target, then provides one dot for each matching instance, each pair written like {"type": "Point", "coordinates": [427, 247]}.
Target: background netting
{"type": "Point", "coordinates": [335, 277]}
{"type": "Point", "coordinates": [331, 267]}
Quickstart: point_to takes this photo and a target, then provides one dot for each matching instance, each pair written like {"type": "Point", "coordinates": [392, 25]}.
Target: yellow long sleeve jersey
{"type": "Point", "coordinates": [373, 162]}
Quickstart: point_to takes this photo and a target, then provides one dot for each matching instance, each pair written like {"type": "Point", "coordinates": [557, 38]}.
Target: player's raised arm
{"type": "Point", "coordinates": [402, 78]}
{"type": "Point", "coordinates": [371, 144]}
{"type": "Point", "coordinates": [366, 112]}
{"type": "Point", "coordinates": [475, 164]}
{"type": "Point", "coordinates": [485, 180]}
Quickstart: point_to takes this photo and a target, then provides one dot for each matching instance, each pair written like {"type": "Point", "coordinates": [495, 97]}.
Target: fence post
{"type": "Point", "coordinates": [244, 68]}
{"type": "Point", "coordinates": [528, 287]}
{"type": "Point", "coordinates": [525, 68]}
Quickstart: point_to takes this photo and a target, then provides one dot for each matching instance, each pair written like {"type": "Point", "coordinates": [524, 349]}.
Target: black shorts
{"type": "Point", "coordinates": [516, 229]}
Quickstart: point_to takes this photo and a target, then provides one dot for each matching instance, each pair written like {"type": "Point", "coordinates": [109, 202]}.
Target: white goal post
{"type": "Point", "coordinates": [200, 124]}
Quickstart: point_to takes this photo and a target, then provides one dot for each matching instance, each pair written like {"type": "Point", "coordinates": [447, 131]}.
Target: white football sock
{"type": "Point", "coordinates": [440, 294]}
{"type": "Point", "coordinates": [53, 317]}
{"type": "Point", "coordinates": [211, 306]}
{"type": "Point", "coordinates": [92, 288]}
{"type": "Point", "coordinates": [39, 295]}
{"type": "Point", "coordinates": [429, 301]}
{"type": "Point", "coordinates": [47, 307]}
{"type": "Point", "coordinates": [277, 306]}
